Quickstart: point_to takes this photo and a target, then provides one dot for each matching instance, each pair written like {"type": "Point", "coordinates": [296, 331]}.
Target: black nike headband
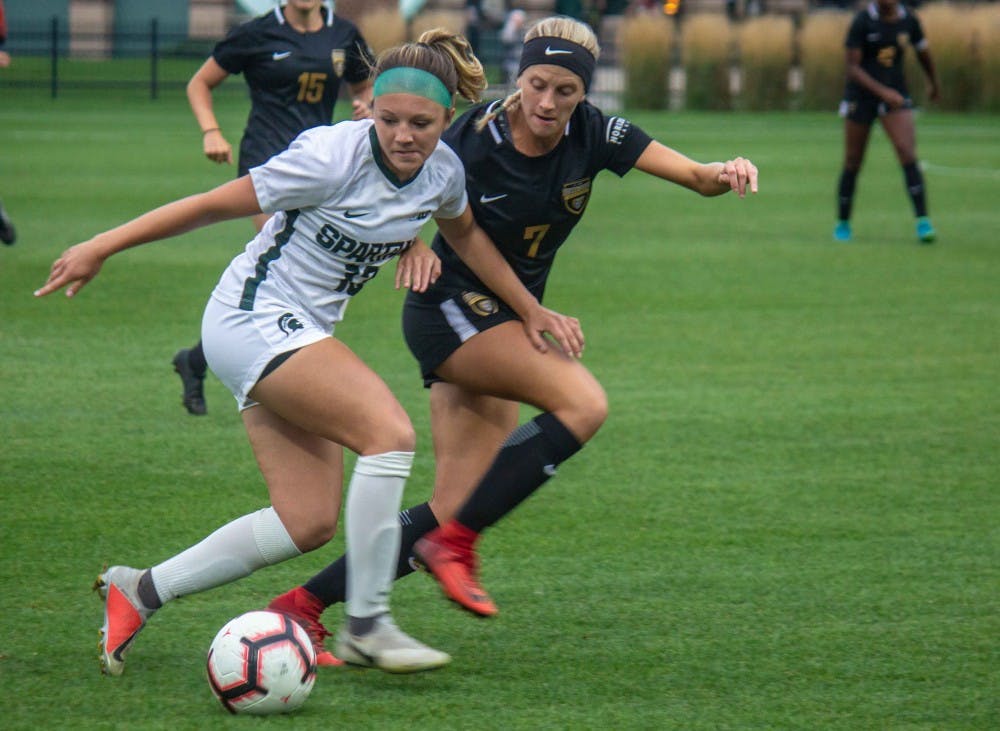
{"type": "Point", "coordinates": [559, 52]}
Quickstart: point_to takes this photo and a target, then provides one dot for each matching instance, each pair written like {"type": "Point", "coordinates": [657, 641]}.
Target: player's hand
{"type": "Point", "coordinates": [417, 268]}
{"type": "Point", "coordinates": [893, 99]}
{"type": "Point", "coordinates": [4, 59]}
{"type": "Point", "coordinates": [360, 109]}
{"type": "Point", "coordinates": [566, 331]}
{"type": "Point", "coordinates": [77, 266]}
{"type": "Point", "coordinates": [217, 149]}
{"type": "Point", "coordinates": [739, 174]}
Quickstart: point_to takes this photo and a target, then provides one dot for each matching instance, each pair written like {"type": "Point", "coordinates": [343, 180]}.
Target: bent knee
{"type": "Point", "coordinates": [315, 534]}
{"type": "Point", "coordinates": [395, 436]}
{"type": "Point", "coordinates": [588, 413]}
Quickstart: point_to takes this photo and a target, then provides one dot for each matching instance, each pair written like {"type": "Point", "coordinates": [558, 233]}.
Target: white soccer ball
{"type": "Point", "coordinates": [261, 662]}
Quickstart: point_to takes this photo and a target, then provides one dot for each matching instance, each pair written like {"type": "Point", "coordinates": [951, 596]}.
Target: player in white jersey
{"type": "Point", "coordinates": [346, 200]}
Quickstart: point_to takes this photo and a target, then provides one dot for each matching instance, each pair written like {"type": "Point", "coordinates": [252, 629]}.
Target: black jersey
{"type": "Point", "coordinates": [529, 205]}
{"type": "Point", "coordinates": [294, 78]}
{"type": "Point", "coordinates": [881, 43]}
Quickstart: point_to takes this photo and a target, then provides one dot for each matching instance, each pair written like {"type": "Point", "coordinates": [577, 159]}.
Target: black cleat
{"type": "Point", "coordinates": [194, 385]}
{"type": "Point", "coordinates": [7, 232]}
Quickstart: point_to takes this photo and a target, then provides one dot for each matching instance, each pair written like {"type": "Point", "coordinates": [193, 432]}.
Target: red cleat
{"type": "Point", "coordinates": [305, 609]}
{"type": "Point", "coordinates": [448, 553]}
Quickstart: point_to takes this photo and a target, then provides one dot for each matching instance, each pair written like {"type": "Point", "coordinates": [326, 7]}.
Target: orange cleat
{"type": "Point", "coordinates": [304, 608]}
{"type": "Point", "coordinates": [124, 615]}
{"type": "Point", "coordinates": [448, 553]}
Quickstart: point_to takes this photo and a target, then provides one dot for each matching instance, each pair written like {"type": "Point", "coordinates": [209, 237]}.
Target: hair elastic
{"type": "Point", "coordinates": [409, 80]}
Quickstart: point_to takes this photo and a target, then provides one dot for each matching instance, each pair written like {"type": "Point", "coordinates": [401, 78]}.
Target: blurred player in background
{"type": "Point", "coordinates": [876, 89]}
{"type": "Point", "coordinates": [530, 161]}
{"type": "Point", "coordinates": [7, 232]}
{"type": "Point", "coordinates": [345, 199]}
{"type": "Point", "coordinates": [293, 59]}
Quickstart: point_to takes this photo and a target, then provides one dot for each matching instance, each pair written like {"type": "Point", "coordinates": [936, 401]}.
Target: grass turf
{"type": "Point", "coordinates": [789, 520]}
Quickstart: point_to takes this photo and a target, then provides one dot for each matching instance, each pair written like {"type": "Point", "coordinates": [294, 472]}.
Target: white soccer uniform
{"type": "Point", "coordinates": [339, 215]}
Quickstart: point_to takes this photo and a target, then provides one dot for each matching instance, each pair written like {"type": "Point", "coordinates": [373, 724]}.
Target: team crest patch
{"type": "Point", "coordinates": [480, 303]}
{"type": "Point", "coordinates": [902, 38]}
{"type": "Point", "coordinates": [575, 195]}
{"type": "Point", "coordinates": [288, 323]}
{"type": "Point", "coordinates": [337, 56]}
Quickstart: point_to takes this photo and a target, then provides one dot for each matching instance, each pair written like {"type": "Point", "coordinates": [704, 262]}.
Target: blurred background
{"type": "Point", "coordinates": [678, 54]}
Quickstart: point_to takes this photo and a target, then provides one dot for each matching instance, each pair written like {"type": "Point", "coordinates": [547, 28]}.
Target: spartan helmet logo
{"type": "Point", "coordinates": [288, 323]}
{"type": "Point", "coordinates": [337, 57]}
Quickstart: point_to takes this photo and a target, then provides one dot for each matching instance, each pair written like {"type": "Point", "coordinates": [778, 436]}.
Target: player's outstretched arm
{"type": "Point", "coordinates": [81, 263]}
{"type": "Point", "coordinates": [715, 178]}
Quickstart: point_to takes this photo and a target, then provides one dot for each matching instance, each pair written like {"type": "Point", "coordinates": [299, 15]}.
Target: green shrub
{"type": "Point", "coordinates": [646, 43]}
{"type": "Point", "coordinates": [766, 57]}
{"type": "Point", "coordinates": [821, 41]}
{"type": "Point", "coordinates": [706, 52]}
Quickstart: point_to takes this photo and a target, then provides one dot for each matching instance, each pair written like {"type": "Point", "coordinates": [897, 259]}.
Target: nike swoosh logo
{"type": "Point", "coordinates": [550, 51]}
{"type": "Point", "coordinates": [355, 214]}
{"type": "Point", "coordinates": [549, 469]}
{"type": "Point", "coordinates": [490, 198]}
{"type": "Point", "coordinates": [280, 55]}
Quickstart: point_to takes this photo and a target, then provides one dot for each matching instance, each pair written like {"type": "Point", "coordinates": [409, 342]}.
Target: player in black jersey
{"type": "Point", "coordinates": [876, 89]}
{"type": "Point", "coordinates": [530, 166]}
{"type": "Point", "coordinates": [8, 234]}
{"type": "Point", "coordinates": [294, 59]}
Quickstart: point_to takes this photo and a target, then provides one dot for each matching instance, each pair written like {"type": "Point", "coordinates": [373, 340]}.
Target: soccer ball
{"type": "Point", "coordinates": [261, 662]}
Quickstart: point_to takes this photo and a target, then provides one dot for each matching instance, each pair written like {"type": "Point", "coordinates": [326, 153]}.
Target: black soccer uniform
{"type": "Point", "coordinates": [527, 205]}
{"type": "Point", "coordinates": [294, 78]}
{"type": "Point", "coordinates": [881, 45]}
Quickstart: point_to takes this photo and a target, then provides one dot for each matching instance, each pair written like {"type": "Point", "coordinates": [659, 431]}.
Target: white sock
{"type": "Point", "coordinates": [372, 523]}
{"type": "Point", "coordinates": [235, 550]}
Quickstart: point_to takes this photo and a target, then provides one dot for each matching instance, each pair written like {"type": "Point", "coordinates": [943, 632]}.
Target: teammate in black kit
{"type": "Point", "coordinates": [294, 59]}
{"type": "Point", "coordinates": [530, 166]}
{"type": "Point", "coordinates": [876, 89]}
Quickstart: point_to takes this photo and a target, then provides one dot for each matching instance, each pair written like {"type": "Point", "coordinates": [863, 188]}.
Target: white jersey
{"type": "Point", "coordinates": [339, 215]}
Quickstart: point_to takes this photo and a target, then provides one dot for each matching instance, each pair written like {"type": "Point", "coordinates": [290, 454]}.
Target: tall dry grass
{"type": "Point", "coordinates": [451, 20]}
{"type": "Point", "coordinates": [645, 45]}
{"type": "Point", "coordinates": [949, 29]}
{"type": "Point", "coordinates": [707, 53]}
{"type": "Point", "coordinates": [821, 43]}
{"type": "Point", "coordinates": [382, 29]}
{"type": "Point", "coordinates": [766, 57]}
{"type": "Point", "coordinates": [986, 24]}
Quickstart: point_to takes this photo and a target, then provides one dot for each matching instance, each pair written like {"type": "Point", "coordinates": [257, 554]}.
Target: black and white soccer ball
{"type": "Point", "coordinates": [261, 662]}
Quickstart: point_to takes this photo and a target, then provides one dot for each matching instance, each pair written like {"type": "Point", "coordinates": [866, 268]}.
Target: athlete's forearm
{"type": "Point", "coordinates": [481, 255]}
{"type": "Point", "coordinates": [228, 201]}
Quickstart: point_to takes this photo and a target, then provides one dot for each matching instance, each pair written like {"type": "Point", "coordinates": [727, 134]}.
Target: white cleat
{"type": "Point", "coordinates": [388, 648]}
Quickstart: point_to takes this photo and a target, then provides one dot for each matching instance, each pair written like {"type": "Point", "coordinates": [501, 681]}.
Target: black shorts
{"type": "Point", "coordinates": [866, 109]}
{"type": "Point", "coordinates": [437, 322]}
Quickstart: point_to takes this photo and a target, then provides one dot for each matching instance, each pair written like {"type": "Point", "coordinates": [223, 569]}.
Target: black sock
{"type": "Point", "coordinates": [147, 591]}
{"type": "Point", "coordinates": [527, 459]}
{"type": "Point", "coordinates": [845, 194]}
{"type": "Point", "coordinates": [196, 360]}
{"type": "Point", "coordinates": [915, 187]}
{"type": "Point", "coordinates": [330, 584]}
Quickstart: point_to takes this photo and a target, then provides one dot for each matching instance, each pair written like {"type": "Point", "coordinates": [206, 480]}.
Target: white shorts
{"type": "Point", "coordinates": [240, 343]}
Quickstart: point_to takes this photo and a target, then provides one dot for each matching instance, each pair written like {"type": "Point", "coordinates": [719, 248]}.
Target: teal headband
{"type": "Point", "coordinates": [408, 80]}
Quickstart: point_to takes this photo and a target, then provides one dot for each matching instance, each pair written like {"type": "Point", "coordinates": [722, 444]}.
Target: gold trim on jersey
{"type": "Point", "coordinates": [575, 195]}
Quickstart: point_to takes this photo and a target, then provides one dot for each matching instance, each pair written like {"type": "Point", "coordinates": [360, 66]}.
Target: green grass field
{"type": "Point", "coordinates": [790, 520]}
